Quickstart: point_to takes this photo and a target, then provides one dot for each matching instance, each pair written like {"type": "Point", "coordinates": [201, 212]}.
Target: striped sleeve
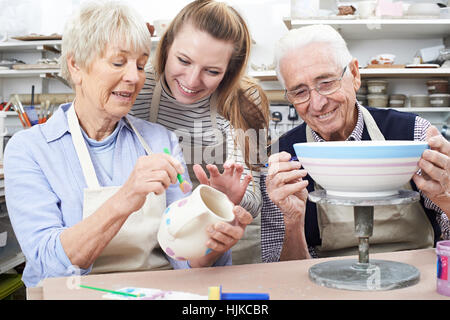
{"type": "Point", "coordinates": [272, 228]}
{"type": "Point", "coordinates": [252, 198]}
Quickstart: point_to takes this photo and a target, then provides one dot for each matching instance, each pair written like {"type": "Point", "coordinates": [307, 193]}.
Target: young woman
{"type": "Point", "coordinates": [197, 88]}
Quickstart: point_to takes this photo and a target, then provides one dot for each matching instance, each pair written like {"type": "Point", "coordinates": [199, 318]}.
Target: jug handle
{"type": "Point", "coordinates": [175, 226]}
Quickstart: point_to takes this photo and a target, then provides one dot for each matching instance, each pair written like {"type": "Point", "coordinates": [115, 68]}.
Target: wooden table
{"type": "Point", "coordinates": [282, 280]}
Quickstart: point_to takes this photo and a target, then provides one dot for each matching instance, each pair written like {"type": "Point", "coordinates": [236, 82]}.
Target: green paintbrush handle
{"type": "Point", "coordinates": [111, 291]}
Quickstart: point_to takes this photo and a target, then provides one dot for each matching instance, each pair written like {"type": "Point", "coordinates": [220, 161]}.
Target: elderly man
{"type": "Point", "coordinates": [321, 79]}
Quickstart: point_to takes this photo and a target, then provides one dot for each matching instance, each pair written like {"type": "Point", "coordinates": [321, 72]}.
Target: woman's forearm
{"type": "Point", "coordinates": [85, 241]}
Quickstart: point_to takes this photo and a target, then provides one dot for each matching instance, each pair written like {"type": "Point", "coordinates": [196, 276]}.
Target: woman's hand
{"type": "Point", "coordinates": [222, 236]}
{"type": "Point", "coordinates": [153, 173]}
{"type": "Point", "coordinates": [434, 180]}
{"type": "Point", "coordinates": [228, 182]}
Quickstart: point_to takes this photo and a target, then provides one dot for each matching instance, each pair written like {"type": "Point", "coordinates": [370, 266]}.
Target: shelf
{"type": "Point", "coordinates": [373, 73]}
{"type": "Point", "coordinates": [264, 75]}
{"type": "Point", "coordinates": [10, 113]}
{"type": "Point", "coordinates": [27, 73]}
{"type": "Point", "coordinates": [10, 255]}
{"type": "Point", "coordinates": [430, 109]}
{"type": "Point", "coordinates": [17, 45]}
{"type": "Point", "coordinates": [404, 72]}
{"type": "Point", "coordinates": [373, 29]}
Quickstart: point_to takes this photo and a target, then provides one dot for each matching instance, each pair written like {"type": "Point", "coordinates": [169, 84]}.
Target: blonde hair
{"type": "Point", "coordinates": [236, 92]}
{"type": "Point", "coordinates": [96, 24]}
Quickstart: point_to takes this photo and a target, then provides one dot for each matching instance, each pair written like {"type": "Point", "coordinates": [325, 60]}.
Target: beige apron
{"type": "Point", "coordinates": [396, 227]}
{"type": "Point", "coordinates": [135, 246]}
{"type": "Point", "coordinates": [248, 248]}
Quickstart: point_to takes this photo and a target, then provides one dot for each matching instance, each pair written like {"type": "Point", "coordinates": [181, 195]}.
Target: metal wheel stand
{"type": "Point", "coordinates": [362, 274]}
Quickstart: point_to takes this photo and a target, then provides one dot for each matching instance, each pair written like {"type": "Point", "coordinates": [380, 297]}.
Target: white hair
{"type": "Point", "coordinates": [97, 24]}
{"type": "Point", "coordinates": [301, 37]}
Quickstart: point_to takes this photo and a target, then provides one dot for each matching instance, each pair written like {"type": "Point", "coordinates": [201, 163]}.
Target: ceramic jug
{"type": "Point", "coordinates": [182, 232]}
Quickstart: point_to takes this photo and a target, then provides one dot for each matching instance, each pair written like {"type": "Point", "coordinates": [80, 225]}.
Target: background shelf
{"type": "Point", "coordinates": [374, 73]}
{"type": "Point", "coordinates": [27, 73]}
{"type": "Point", "coordinates": [372, 29]}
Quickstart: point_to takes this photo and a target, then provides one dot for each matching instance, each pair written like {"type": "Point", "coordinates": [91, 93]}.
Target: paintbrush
{"type": "Point", "coordinates": [112, 291]}
{"type": "Point", "coordinates": [184, 185]}
{"type": "Point", "coordinates": [22, 111]}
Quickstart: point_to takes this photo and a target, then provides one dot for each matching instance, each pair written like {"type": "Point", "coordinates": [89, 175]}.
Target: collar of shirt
{"type": "Point", "coordinates": [356, 134]}
{"type": "Point", "coordinates": [105, 144]}
{"type": "Point", "coordinates": [58, 124]}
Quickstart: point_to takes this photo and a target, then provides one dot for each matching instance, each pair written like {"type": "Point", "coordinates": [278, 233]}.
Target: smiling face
{"type": "Point", "coordinates": [111, 84]}
{"type": "Point", "coordinates": [196, 64]}
{"type": "Point", "coordinates": [333, 116]}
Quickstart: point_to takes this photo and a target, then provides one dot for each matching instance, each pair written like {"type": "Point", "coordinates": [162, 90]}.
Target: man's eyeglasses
{"type": "Point", "coordinates": [303, 93]}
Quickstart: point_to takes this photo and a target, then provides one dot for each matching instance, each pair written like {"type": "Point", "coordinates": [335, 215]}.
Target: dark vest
{"type": "Point", "coordinates": [394, 125]}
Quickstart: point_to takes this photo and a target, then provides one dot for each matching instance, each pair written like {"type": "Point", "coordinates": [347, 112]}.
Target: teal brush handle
{"type": "Point", "coordinates": [179, 176]}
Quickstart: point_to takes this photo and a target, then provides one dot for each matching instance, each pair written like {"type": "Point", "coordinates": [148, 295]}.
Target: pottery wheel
{"type": "Point", "coordinates": [378, 275]}
{"type": "Point", "coordinates": [364, 274]}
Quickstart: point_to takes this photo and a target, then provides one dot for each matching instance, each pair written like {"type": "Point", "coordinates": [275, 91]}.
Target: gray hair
{"type": "Point", "coordinates": [301, 37]}
{"type": "Point", "coordinates": [97, 24]}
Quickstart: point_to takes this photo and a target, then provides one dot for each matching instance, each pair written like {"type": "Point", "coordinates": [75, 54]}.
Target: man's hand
{"type": "Point", "coordinates": [434, 180]}
{"type": "Point", "coordinates": [285, 185]}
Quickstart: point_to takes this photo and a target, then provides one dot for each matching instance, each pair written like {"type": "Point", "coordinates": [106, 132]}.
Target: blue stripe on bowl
{"type": "Point", "coordinates": [360, 150]}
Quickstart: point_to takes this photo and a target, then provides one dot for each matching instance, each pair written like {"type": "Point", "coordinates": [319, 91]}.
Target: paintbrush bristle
{"type": "Point", "coordinates": [185, 187]}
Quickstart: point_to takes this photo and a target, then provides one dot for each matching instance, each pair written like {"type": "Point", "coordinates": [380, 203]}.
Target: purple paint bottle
{"type": "Point", "coordinates": [443, 259]}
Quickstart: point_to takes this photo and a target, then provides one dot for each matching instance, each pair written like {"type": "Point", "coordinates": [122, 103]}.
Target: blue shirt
{"type": "Point", "coordinates": [102, 152]}
{"type": "Point", "coordinates": [44, 187]}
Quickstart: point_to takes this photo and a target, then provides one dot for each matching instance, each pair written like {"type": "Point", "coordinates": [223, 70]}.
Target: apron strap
{"type": "Point", "coordinates": [81, 149]}
{"type": "Point", "coordinates": [309, 135]}
{"type": "Point", "coordinates": [213, 108]}
{"type": "Point", "coordinates": [154, 105]}
{"type": "Point", "coordinates": [372, 128]}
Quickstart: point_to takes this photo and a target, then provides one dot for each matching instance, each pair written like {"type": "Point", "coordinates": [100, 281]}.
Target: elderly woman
{"type": "Point", "coordinates": [86, 190]}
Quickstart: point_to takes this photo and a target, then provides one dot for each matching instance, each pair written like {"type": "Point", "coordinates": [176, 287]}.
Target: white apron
{"type": "Point", "coordinates": [135, 246]}
{"type": "Point", "coordinates": [395, 228]}
{"type": "Point", "coordinates": [248, 248]}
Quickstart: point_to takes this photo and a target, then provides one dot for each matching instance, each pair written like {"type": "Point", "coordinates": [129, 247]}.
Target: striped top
{"type": "Point", "coordinates": [194, 121]}
{"type": "Point", "coordinates": [272, 222]}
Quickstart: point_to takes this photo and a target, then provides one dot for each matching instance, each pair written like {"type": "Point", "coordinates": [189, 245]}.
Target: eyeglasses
{"type": "Point", "coordinates": [303, 93]}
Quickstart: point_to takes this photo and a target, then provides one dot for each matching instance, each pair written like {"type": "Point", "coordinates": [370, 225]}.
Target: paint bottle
{"type": "Point", "coordinates": [443, 259]}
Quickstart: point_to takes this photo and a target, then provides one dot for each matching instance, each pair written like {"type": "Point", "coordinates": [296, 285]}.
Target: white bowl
{"type": "Point", "coordinates": [424, 9]}
{"type": "Point", "coordinates": [361, 168]}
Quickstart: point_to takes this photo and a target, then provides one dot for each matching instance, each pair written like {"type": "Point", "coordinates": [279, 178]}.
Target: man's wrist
{"type": "Point", "coordinates": [294, 222]}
